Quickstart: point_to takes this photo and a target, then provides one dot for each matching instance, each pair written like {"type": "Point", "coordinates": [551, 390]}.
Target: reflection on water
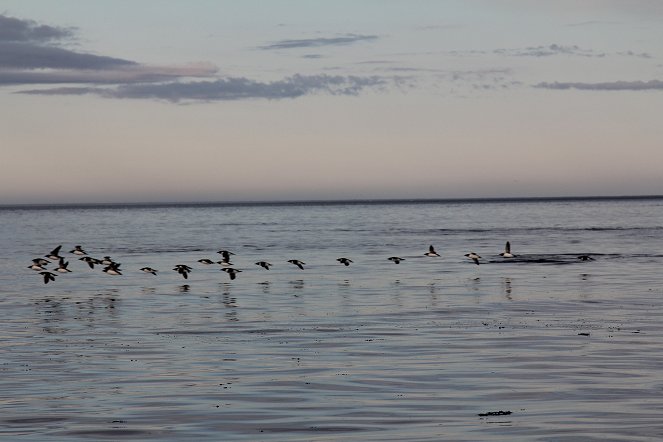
{"type": "Point", "coordinates": [230, 303]}
{"type": "Point", "coordinates": [265, 286]}
{"type": "Point", "coordinates": [57, 314]}
{"type": "Point", "coordinates": [507, 289]}
{"type": "Point", "coordinates": [297, 284]}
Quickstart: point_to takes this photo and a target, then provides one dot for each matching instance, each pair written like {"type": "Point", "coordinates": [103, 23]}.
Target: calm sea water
{"type": "Point", "coordinates": [373, 351]}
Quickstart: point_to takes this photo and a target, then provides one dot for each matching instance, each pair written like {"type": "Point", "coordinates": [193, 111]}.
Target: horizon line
{"type": "Point", "coordinates": [329, 202]}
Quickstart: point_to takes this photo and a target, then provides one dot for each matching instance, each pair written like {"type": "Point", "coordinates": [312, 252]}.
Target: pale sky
{"type": "Point", "coordinates": [139, 101]}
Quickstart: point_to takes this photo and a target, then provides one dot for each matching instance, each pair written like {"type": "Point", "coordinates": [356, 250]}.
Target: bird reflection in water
{"type": "Point", "coordinates": [230, 303]}
{"type": "Point", "coordinates": [97, 310]}
{"type": "Point", "coordinates": [506, 286]}
{"type": "Point", "coordinates": [266, 286]}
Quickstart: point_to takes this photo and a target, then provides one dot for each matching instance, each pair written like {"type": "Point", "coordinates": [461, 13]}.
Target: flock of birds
{"type": "Point", "coordinates": [113, 268]}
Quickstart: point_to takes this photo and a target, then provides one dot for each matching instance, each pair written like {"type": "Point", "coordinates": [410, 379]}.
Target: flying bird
{"type": "Point", "coordinates": [91, 261]}
{"type": "Point", "coordinates": [78, 250]}
{"type": "Point", "coordinates": [396, 259]}
{"type": "Point", "coordinates": [183, 270]}
{"type": "Point", "coordinates": [231, 272]}
{"type": "Point", "coordinates": [474, 257]}
{"type": "Point", "coordinates": [507, 251]}
{"type": "Point", "coordinates": [55, 253]}
{"type": "Point", "coordinates": [225, 254]}
{"type": "Point", "coordinates": [112, 269]}
{"type": "Point", "coordinates": [41, 261]}
{"type": "Point", "coordinates": [345, 261]}
{"type": "Point", "coordinates": [48, 276]}
{"type": "Point", "coordinates": [36, 267]}
{"type": "Point", "coordinates": [206, 261]}
{"type": "Point", "coordinates": [298, 263]}
{"type": "Point", "coordinates": [431, 252]}
{"type": "Point", "coordinates": [149, 270]}
{"type": "Point", "coordinates": [263, 264]}
{"type": "Point", "coordinates": [62, 266]}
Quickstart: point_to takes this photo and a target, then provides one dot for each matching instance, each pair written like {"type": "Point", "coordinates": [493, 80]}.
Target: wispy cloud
{"type": "Point", "coordinates": [345, 39]}
{"type": "Point", "coordinates": [229, 88]}
{"type": "Point", "coordinates": [134, 73]}
{"type": "Point", "coordinates": [605, 86]}
{"type": "Point", "coordinates": [548, 51]}
{"type": "Point", "coordinates": [592, 23]}
{"type": "Point", "coordinates": [634, 54]}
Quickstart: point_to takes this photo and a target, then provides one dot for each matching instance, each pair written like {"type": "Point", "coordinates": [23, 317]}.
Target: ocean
{"type": "Point", "coordinates": [540, 347]}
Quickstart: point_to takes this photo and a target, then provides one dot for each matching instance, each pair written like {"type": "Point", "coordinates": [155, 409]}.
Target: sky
{"type": "Point", "coordinates": [178, 101]}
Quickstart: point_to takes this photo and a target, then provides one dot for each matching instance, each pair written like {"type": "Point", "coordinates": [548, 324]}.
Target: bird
{"type": "Point", "coordinates": [206, 261]}
{"type": "Point", "coordinates": [344, 261]}
{"type": "Point", "coordinates": [62, 266]}
{"type": "Point", "coordinates": [225, 262]}
{"type": "Point", "coordinates": [41, 261]}
{"type": "Point", "coordinates": [90, 261]}
{"type": "Point", "coordinates": [264, 264]}
{"type": "Point", "coordinates": [183, 270]}
{"type": "Point", "coordinates": [396, 259]}
{"type": "Point", "coordinates": [54, 255]}
{"type": "Point", "coordinates": [585, 258]}
{"type": "Point", "coordinates": [78, 250]}
{"type": "Point", "coordinates": [48, 276]}
{"type": "Point", "coordinates": [231, 272]}
{"type": "Point", "coordinates": [507, 251]}
{"type": "Point", "coordinates": [112, 269]}
{"type": "Point", "coordinates": [106, 261]}
{"type": "Point", "coordinates": [149, 270]}
{"type": "Point", "coordinates": [36, 267]}
{"type": "Point", "coordinates": [474, 257]}
{"type": "Point", "coordinates": [225, 254]}
{"type": "Point", "coordinates": [431, 252]}
{"type": "Point", "coordinates": [298, 263]}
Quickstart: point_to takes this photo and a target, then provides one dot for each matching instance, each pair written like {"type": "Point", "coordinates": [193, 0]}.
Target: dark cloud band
{"type": "Point", "coordinates": [17, 30]}
{"type": "Point", "coordinates": [317, 42]}
{"type": "Point", "coordinates": [228, 88]}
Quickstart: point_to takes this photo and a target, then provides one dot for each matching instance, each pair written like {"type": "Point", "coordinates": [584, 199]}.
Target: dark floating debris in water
{"type": "Point", "coordinates": [495, 413]}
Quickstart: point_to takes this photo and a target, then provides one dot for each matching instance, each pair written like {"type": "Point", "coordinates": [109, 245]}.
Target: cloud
{"type": "Point", "coordinates": [317, 42]}
{"type": "Point", "coordinates": [593, 23]}
{"type": "Point", "coordinates": [234, 88]}
{"type": "Point", "coordinates": [31, 56]}
{"type": "Point", "coordinates": [25, 44]}
{"type": "Point", "coordinates": [16, 30]}
{"type": "Point", "coordinates": [131, 74]}
{"type": "Point", "coordinates": [635, 54]}
{"type": "Point", "coordinates": [605, 86]}
{"type": "Point", "coordinates": [550, 50]}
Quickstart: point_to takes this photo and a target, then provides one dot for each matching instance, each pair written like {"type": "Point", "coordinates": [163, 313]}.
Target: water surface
{"type": "Point", "coordinates": [373, 351]}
